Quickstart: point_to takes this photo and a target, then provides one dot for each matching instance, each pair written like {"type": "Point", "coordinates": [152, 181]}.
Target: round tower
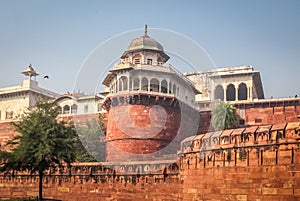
{"type": "Point", "coordinates": [145, 102]}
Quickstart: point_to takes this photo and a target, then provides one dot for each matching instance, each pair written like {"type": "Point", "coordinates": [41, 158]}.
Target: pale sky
{"type": "Point", "coordinates": [57, 36]}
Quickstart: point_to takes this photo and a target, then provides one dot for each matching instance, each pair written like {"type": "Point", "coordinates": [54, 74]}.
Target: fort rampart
{"type": "Point", "coordinates": [258, 163]}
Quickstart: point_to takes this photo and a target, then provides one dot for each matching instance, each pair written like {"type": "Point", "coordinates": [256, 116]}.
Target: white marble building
{"type": "Point", "coordinates": [16, 99]}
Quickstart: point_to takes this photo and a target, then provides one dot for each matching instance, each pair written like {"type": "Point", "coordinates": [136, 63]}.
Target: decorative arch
{"type": "Point", "coordinates": [59, 109]}
{"type": "Point", "coordinates": [136, 84]}
{"type": "Point", "coordinates": [174, 89]}
{"type": "Point", "coordinates": [230, 93]}
{"type": "Point", "coordinates": [124, 83]}
{"type": "Point", "coordinates": [66, 109]}
{"type": "Point", "coordinates": [120, 85]}
{"type": "Point", "coordinates": [242, 92]}
{"type": "Point", "coordinates": [164, 86]}
{"type": "Point", "coordinates": [154, 85]}
{"type": "Point", "coordinates": [219, 92]}
{"type": "Point", "coordinates": [74, 109]}
{"type": "Point", "coordinates": [137, 59]}
{"type": "Point", "coordinates": [144, 84]}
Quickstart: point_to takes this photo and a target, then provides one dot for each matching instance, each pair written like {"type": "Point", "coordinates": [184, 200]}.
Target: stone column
{"type": "Point", "coordinates": [236, 93]}
{"type": "Point", "coordinates": [149, 85]}
{"type": "Point", "coordinates": [250, 93]}
{"type": "Point", "coordinates": [225, 90]}
{"type": "Point", "coordinates": [159, 86]}
{"type": "Point", "coordinates": [140, 83]}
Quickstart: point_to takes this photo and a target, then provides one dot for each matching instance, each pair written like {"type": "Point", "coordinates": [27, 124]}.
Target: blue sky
{"type": "Point", "coordinates": [57, 36]}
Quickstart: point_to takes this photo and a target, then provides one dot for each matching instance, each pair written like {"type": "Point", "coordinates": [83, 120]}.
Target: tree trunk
{"type": "Point", "coordinates": [41, 174]}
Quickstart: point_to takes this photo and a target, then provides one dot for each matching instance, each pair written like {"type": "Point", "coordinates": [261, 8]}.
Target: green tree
{"type": "Point", "coordinates": [43, 142]}
{"type": "Point", "coordinates": [91, 134]}
{"type": "Point", "coordinates": [224, 116]}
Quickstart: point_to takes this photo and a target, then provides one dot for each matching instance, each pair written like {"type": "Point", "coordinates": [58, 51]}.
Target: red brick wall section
{"type": "Point", "coordinates": [147, 142]}
{"type": "Point", "coordinates": [6, 132]}
{"type": "Point", "coordinates": [256, 177]}
{"type": "Point", "coordinates": [269, 113]}
{"type": "Point", "coordinates": [88, 190]}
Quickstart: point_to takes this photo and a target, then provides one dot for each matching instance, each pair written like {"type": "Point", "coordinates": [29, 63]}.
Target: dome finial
{"type": "Point", "coordinates": [145, 30]}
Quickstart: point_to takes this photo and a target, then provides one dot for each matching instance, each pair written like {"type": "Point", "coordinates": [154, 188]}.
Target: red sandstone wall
{"type": "Point", "coordinates": [87, 190]}
{"type": "Point", "coordinates": [269, 113]}
{"type": "Point", "coordinates": [257, 113]}
{"type": "Point", "coordinates": [6, 132]}
{"type": "Point", "coordinates": [204, 123]}
{"type": "Point", "coordinates": [264, 175]}
{"type": "Point", "coordinates": [138, 128]}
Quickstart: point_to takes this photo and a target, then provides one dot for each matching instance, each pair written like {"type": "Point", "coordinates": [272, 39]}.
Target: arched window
{"type": "Point", "coordinates": [242, 93]}
{"type": "Point", "coordinates": [145, 84]}
{"type": "Point", "coordinates": [164, 86]}
{"type": "Point", "coordinates": [137, 59]}
{"type": "Point", "coordinates": [124, 80]}
{"type": "Point", "coordinates": [136, 84]}
{"type": "Point", "coordinates": [59, 109]}
{"type": "Point", "coordinates": [130, 84]}
{"type": "Point", "coordinates": [174, 89]}
{"type": "Point", "coordinates": [154, 85]}
{"type": "Point", "coordinates": [74, 109]}
{"type": "Point", "coordinates": [170, 87]}
{"type": "Point", "coordinates": [66, 109]}
{"type": "Point", "coordinates": [219, 92]}
{"type": "Point", "coordinates": [120, 85]}
{"type": "Point", "coordinates": [116, 86]}
{"type": "Point", "coordinates": [230, 93]}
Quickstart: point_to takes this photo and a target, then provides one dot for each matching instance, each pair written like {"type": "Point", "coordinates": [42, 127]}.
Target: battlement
{"type": "Point", "coordinates": [253, 136]}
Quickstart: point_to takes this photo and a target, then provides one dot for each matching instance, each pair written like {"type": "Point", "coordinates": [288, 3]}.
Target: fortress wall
{"type": "Point", "coordinates": [272, 112]}
{"type": "Point", "coordinates": [263, 174]}
{"type": "Point", "coordinates": [88, 189]}
{"type": "Point", "coordinates": [7, 132]}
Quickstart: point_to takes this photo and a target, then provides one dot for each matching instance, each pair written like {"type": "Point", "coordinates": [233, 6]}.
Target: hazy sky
{"type": "Point", "coordinates": [57, 36]}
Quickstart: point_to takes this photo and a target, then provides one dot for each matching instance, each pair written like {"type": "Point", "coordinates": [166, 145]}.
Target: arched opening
{"type": "Point", "coordinates": [164, 86]}
{"type": "Point", "coordinates": [116, 86]}
{"type": "Point", "coordinates": [174, 89]}
{"type": "Point", "coordinates": [242, 93]}
{"type": "Point", "coordinates": [144, 84]}
{"type": "Point", "coordinates": [219, 92]}
{"type": "Point", "coordinates": [154, 85]}
{"type": "Point", "coordinates": [66, 109]}
{"type": "Point", "coordinates": [130, 84]}
{"type": "Point", "coordinates": [120, 85]}
{"type": "Point", "coordinates": [230, 93]}
{"type": "Point", "coordinates": [170, 87]}
{"type": "Point", "coordinates": [137, 59]}
{"type": "Point", "coordinates": [74, 109]}
{"type": "Point", "coordinates": [59, 109]}
{"type": "Point", "coordinates": [124, 83]}
{"type": "Point", "coordinates": [136, 84]}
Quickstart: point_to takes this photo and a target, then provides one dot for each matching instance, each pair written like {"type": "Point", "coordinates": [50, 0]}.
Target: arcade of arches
{"type": "Point", "coordinates": [124, 84]}
{"type": "Point", "coordinates": [232, 92]}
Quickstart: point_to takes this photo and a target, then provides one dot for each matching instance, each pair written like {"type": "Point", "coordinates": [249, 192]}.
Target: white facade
{"type": "Point", "coordinates": [15, 100]}
{"type": "Point", "coordinates": [70, 104]}
{"type": "Point", "coordinates": [228, 84]}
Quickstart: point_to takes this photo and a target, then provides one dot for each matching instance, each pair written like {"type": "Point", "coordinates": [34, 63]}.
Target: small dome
{"type": "Point", "coordinates": [30, 71]}
{"type": "Point", "coordinates": [146, 43]}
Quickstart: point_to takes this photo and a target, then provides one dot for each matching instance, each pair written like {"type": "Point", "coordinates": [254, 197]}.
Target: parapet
{"type": "Point", "coordinates": [284, 133]}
